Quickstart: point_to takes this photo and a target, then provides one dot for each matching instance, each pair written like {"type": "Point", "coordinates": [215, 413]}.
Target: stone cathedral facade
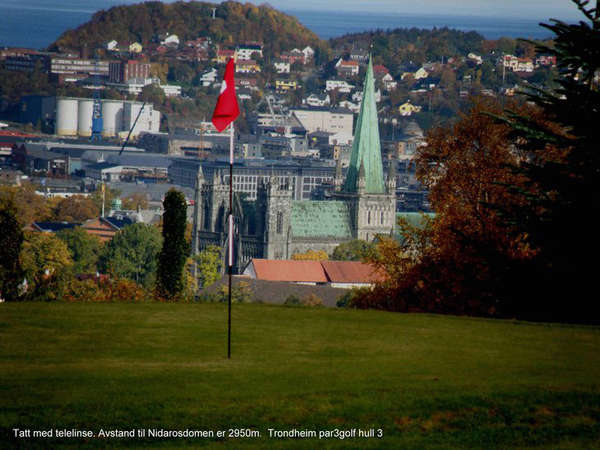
{"type": "Point", "coordinates": [364, 204]}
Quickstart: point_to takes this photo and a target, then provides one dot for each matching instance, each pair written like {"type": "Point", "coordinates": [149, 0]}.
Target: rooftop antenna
{"type": "Point", "coordinates": [132, 127]}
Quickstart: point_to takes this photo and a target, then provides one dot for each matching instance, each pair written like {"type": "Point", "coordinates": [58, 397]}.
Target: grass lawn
{"type": "Point", "coordinates": [426, 381]}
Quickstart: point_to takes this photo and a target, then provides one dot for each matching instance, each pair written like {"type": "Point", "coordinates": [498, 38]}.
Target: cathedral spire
{"type": "Point", "coordinates": [366, 149]}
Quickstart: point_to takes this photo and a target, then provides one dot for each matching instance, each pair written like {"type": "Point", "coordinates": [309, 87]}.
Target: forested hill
{"type": "Point", "coordinates": [416, 45]}
{"type": "Point", "coordinates": [234, 23]}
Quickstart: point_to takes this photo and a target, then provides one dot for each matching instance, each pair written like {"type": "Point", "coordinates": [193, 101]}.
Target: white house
{"type": "Point", "coordinates": [354, 107]}
{"type": "Point", "coordinates": [358, 95]}
{"type": "Point", "coordinates": [209, 78]}
{"type": "Point", "coordinates": [339, 85]}
{"type": "Point", "coordinates": [389, 84]}
{"type": "Point", "coordinates": [172, 40]}
{"type": "Point", "coordinates": [309, 53]}
{"type": "Point", "coordinates": [282, 66]}
{"type": "Point", "coordinates": [112, 45]}
{"type": "Point", "coordinates": [317, 100]}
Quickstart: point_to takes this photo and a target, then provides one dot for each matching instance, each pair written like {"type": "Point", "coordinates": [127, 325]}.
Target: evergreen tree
{"type": "Point", "coordinates": [557, 206]}
{"type": "Point", "coordinates": [170, 281]}
{"type": "Point", "coordinates": [11, 241]}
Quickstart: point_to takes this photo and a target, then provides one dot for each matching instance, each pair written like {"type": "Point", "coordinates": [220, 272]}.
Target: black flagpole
{"type": "Point", "coordinates": [230, 256]}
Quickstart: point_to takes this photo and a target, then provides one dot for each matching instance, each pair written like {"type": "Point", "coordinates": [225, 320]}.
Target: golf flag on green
{"type": "Point", "coordinates": [227, 109]}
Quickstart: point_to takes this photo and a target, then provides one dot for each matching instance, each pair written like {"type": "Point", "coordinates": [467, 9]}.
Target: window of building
{"type": "Point", "coordinates": [279, 223]}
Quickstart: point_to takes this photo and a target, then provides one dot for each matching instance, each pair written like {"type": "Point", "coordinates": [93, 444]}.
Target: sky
{"type": "Point", "coordinates": [511, 8]}
{"type": "Point", "coordinates": [527, 9]}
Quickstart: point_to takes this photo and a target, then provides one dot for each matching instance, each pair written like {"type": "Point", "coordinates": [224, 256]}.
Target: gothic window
{"type": "Point", "coordinates": [381, 217]}
{"type": "Point", "coordinates": [369, 218]}
{"type": "Point", "coordinates": [279, 223]}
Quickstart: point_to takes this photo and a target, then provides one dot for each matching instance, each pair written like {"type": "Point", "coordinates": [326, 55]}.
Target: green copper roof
{"type": "Point", "coordinates": [366, 149]}
{"type": "Point", "coordinates": [320, 219]}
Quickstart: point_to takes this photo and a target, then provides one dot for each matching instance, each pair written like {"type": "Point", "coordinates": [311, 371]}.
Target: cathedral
{"type": "Point", "coordinates": [363, 204]}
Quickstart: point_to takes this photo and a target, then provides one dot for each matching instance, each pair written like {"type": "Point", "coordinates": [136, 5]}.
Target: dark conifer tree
{"type": "Point", "coordinates": [11, 241]}
{"type": "Point", "coordinates": [559, 206]}
{"type": "Point", "coordinates": [170, 276]}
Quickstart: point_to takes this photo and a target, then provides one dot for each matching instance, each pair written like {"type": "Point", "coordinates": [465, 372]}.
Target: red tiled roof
{"type": "Point", "coordinates": [315, 271]}
{"type": "Point", "coordinates": [350, 272]}
{"type": "Point", "coordinates": [289, 270]}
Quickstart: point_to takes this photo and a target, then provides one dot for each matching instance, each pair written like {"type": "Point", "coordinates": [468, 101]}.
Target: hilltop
{"type": "Point", "coordinates": [233, 23]}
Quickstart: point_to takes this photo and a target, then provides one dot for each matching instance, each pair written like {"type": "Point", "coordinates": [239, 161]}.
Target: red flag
{"type": "Point", "coordinates": [227, 109]}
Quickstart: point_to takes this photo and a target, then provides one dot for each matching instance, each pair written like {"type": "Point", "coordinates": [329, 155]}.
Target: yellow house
{"type": "Point", "coordinates": [285, 85]}
{"type": "Point", "coordinates": [136, 47]}
{"type": "Point", "coordinates": [247, 66]}
{"type": "Point", "coordinates": [407, 109]}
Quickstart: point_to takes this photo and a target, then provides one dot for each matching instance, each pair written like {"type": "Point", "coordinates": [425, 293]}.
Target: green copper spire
{"type": "Point", "coordinates": [366, 149]}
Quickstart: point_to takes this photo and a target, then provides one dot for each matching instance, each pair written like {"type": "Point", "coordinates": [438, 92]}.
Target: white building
{"type": "Point", "coordinates": [209, 78]}
{"type": "Point", "coordinates": [336, 121]}
{"type": "Point", "coordinates": [172, 40]}
{"type": "Point", "coordinates": [317, 100]}
{"type": "Point", "coordinates": [249, 51]}
{"type": "Point", "coordinates": [358, 95]}
{"type": "Point", "coordinates": [282, 66]}
{"type": "Point", "coordinates": [135, 86]}
{"type": "Point", "coordinates": [309, 53]}
{"type": "Point", "coordinates": [339, 85]}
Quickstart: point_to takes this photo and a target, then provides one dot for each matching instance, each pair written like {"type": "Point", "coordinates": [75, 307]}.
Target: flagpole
{"type": "Point", "coordinates": [230, 259]}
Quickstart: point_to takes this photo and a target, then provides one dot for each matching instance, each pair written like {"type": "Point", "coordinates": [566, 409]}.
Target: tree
{"type": "Point", "coordinates": [354, 250]}
{"type": "Point", "coordinates": [311, 255]}
{"type": "Point", "coordinates": [132, 254]}
{"type": "Point", "coordinates": [460, 262]}
{"type": "Point", "coordinates": [208, 263]}
{"type": "Point", "coordinates": [75, 209]}
{"type": "Point", "coordinates": [29, 206]}
{"type": "Point", "coordinates": [170, 280]}
{"type": "Point", "coordinates": [84, 247]}
{"type": "Point", "coordinates": [11, 241]}
{"type": "Point", "coordinates": [109, 195]}
{"type": "Point", "coordinates": [562, 169]}
{"type": "Point", "coordinates": [135, 201]}
{"type": "Point", "coordinates": [45, 260]}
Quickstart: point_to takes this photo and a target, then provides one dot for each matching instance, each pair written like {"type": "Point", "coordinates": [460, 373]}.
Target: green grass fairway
{"type": "Point", "coordinates": [425, 381]}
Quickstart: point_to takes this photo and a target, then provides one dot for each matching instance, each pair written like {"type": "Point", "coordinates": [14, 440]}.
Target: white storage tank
{"type": "Point", "coordinates": [66, 116]}
{"type": "Point", "coordinates": [86, 110]}
{"type": "Point", "coordinates": [112, 117]}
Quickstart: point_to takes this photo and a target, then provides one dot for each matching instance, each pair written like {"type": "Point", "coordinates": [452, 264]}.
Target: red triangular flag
{"type": "Point", "coordinates": [227, 109]}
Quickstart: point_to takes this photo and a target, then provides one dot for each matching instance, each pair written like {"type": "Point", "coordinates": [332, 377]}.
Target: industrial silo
{"type": "Point", "coordinates": [86, 109]}
{"type": "Point", "coordinates": [112, 116]}
{"type": "Point", "coordinates": [66, 116]}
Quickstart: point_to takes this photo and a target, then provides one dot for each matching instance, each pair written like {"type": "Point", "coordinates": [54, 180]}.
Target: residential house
{"type": "Point", "coordinates": [346, 104]}
{"type": "Point", "coordinates": [249, 51]}
{"type": "Point", "coordinates": [283, 85]}
{"type": "Point", "coordinates": [407, 109]}
{"type": "Point", "coordinates": [347, 68]}
{"type": "Point", "coordinates": [359, 55]}
{"type": "Point", "coordinates": [112, 45]}
{"type": "Point", "coordinates": [246, 82]}
{"type": "Point", "coordinates": [281, 66]}
{"type": "Point", "coordinates": [418, 75]}
{"type": "Point", "coordinates": [317, 100]}
{"type": "Point", "coordinates": [358, 95]}
{"type": "Point", "coordinates": [247, 66]}
{"type": "Point", "coordinates": [475, 58]}
{"type": "Point", "coordinates": [389, 84]}
{"type": "Point", "coordinates": [309, 54]}
{"type": "Point", "coordinates": [171, 40]}
{"type": "Point", "coordinates": [209, 78]}
{"type": "Point", "coordinates": [339, 85]}
{"type": "Point", "coordinates": [136, 47]}
{"type": "Point", "coordinates": [104, 228]}
{"type": "Point", "coordinates": [293, 57]}
{"type": "Point", "coordinates": [224, 55]}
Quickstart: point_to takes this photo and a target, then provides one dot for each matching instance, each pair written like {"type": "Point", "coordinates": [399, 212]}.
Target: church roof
{"type": "Point", "coordinates": [366, 148]}
{"type": "Point", "coordinates": [318, 219]}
